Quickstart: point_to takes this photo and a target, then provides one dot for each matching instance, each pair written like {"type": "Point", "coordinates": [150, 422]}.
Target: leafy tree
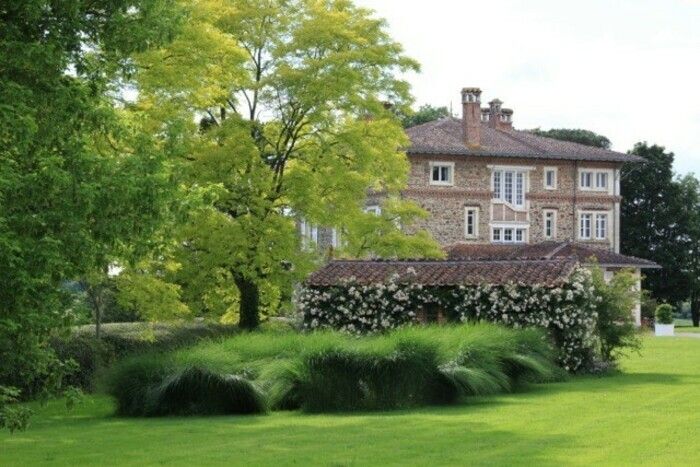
{"type": "Point", "coordinates": [658, 218]}
{"type": "Point", "coordinates": [294, 127]}
{"type": "Point", "coordinates": [586, 137]}
{"type": "Point", "coordinates": [690, 189]}
{"type": "Point", "coordinates": [425, 113]}
{"type": "Point", "coordinates": [615, 325]}
{"type": "Point", "coordinates": [79, 179]}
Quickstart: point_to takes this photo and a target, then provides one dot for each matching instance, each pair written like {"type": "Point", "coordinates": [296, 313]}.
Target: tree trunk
{"type": "Point", "coordinates": [94, 296]}
{"type": "Point", "coordinates": [249, 302]}
{"type": "Point", "coordinates": [695, 310]}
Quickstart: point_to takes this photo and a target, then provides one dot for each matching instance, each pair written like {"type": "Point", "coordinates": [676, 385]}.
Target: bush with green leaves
{"type": "Point", "coordinates": [664, 314]}
{"type": "Point", "coordinates": [119, 340]}
{"type": "Point", "coordinates": [333, 371]}
{"type": "Point", "coordinates": [13, 417]}
{"type": "Point", "coordinates": [615, 328]}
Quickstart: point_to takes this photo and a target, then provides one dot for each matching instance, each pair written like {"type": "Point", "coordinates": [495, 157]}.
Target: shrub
{"type": "Point", "coordinates": [13, 417]}
{"type": "Point", "coordinates": [648, 307]}
{"type": "Point", "coordinates": [124, 339]}
{"type": "Point", "coordinates": [568, 311]}
{"type": "Point", "coordinates": [615, 325]}
{"type": "Point", "coordinates": [664, 314]}
{"type": "Point", "coordinates": [331, 371]}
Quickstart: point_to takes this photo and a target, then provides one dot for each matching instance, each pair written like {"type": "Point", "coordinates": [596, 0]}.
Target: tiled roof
{"type": "Point", "coordinates": [445, 273]}
{"type": "Point", "coordinates": [544, 251]}
{"type": "Point", "coordinates": [603, 257]}
{"type": "Point", "coordinates": [444, 137]}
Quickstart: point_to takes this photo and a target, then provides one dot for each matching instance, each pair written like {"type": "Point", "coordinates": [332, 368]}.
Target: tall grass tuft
{"type": "Point", "coordinates": [198, 391]}
{"type": "Point", "coordinates": [330, 371]}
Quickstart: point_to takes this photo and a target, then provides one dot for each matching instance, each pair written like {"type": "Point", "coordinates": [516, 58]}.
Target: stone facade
{"type": "Point", "coordinates": [472, 187]}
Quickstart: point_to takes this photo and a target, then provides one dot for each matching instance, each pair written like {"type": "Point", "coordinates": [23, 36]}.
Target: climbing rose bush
{"type": "Point", "coordinates": [567, 311]}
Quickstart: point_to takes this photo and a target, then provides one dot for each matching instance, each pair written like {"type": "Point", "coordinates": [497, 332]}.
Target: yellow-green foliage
{"type": "Point", "coordinates": [290, 93]}
{"type": "Point", "coordinates": [151, 297]}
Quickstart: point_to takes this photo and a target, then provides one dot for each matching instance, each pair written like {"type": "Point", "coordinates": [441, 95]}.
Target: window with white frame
{"type": "Point", "coordinates": [601, 180]}
{"type": "Point", "coordinates": [597, 180]}
{"type": "Point", "coordinates": [550, 224]}
{"type": "Point", "coordinates": [593, 225]}
{"type": "Point", "coordinates": [442, 173]}
{"type": "Point", "coordinates": [508, 235]}
{"type": "Point", "coordinates": [586, 180]}
{"type": "Point", "coordinates": [509, 186]}
{"type": "Point", "coordinates": [550, 178]}
{"type": "Point", "coordinates": [309, 232]}
{"type": "Point", "coordinates": [601, 226]}
{"type": "Point", "coordinates": [585, 221]}
{"type": "Point", "coordinates": [471, 222]}
{"type": "Point", "coordinates": [373, 209]}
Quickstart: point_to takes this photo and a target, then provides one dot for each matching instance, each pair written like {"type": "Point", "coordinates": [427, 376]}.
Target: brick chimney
{"type": "Point", "coordinates": [471, 116]}
{"type": "Point", "coordinates": [499, 117]}
{"type": "Point", "coordinates": [495, 113]}
{"type": "Point", "coordinates": [507, 119]}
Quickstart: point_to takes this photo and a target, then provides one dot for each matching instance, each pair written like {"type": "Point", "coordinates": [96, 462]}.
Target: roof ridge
{"type": "Point", "coordinates": [456, 261]}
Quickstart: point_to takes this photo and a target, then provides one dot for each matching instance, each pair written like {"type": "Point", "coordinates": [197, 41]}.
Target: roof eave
{"type": "Point", "coordinates": [622, 158]}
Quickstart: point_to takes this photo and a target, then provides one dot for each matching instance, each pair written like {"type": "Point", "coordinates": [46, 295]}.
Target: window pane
{"type": "Point", "coordinates": [602, 180]}
{"type": "Point", "coordinates": [436, 173]}
{"type": "Point", "coordinates": [508, 235]}
{"type": "Point", "coordinates": [586, 179]}
{"type": "Point", "coordinates": [445, 174]}
{"type": "Point", "coordinates": [585, 226]}
{"type": "Point", "coordinates": [550, 178]}
{"type": "Point", "coordinates": [519, 235]}
{"type": "Point", "coordinates": [601, 226]}
{"type": "Point", "coordinates": [519, 183]}
{"type": "Point", "coordinates": [470, 222]}
{"type": "Point", "coordinates": [509, 187]}
{"type": "Point", "coordinates": [497, 189]}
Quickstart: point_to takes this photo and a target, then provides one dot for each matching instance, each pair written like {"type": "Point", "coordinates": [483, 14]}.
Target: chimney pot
{"type": "Point", "coordinates": [506, 119]}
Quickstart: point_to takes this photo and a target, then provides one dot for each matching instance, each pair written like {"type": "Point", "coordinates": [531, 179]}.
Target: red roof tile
{"type": "Point", "coordinates": [544, 250]}
{"type": "Point", "coordinates": [444, 137]}
{"type": "Point", "coordinates": [445, 273]}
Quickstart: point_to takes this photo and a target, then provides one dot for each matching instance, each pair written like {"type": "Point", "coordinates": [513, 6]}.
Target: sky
{"type": "Point", "coordinates": [629, 70]}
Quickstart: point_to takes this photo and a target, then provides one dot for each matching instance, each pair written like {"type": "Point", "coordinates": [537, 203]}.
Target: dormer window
{"type": "Point", "coordinates": [442, 173]}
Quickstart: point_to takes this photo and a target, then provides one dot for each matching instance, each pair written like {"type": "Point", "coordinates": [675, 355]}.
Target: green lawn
{"type": "Point", "coordinates": [648, 415]}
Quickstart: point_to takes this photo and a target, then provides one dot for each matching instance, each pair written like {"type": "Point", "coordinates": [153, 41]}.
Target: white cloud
{"type": "Point", "coordinates": [626, 69]}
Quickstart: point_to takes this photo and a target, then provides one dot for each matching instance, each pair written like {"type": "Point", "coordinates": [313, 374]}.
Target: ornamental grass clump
{"type": "Point", "coordinates": [332, 371]}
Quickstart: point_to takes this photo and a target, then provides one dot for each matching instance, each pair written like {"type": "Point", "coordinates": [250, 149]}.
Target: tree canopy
{"type": "Point", "coordinates": [79, 178]}
{"type": "Point", "coordinates": [294, 127]}
{"type": "Point", "coordinates": [660, 221]}
{"type": "Point", "coordinates": [586, 137]}
{"type": "Point", "coordinates": [425, 113]}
